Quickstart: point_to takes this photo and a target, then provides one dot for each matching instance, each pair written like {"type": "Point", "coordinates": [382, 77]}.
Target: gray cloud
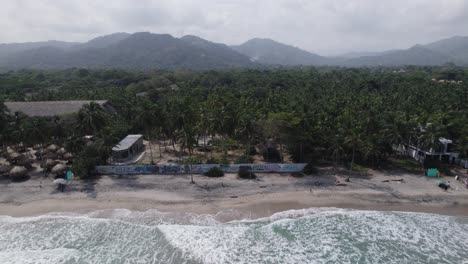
{"type": "Point", "coordinates": [322, 26]}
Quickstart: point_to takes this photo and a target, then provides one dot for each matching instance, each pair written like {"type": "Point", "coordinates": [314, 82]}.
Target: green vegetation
{"type": "Point", "coordinates": [214, 172]}
{"type": "Point", "coordinates": [244, 160]}
{"type": "Point", "coordinates": [407, 164]}
{"type": "Point", "coordinates": [245, 173]}
{"type": "Point", "coordinates": [310, 169]}
{"type": "Point", "coordinates": [347, 116]}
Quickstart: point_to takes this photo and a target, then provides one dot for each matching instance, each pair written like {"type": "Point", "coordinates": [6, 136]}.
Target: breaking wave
{"type": "Point", "coordinates": [316, 235]}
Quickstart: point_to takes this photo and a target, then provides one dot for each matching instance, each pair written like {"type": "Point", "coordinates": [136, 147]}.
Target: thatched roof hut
{"type": "Point", "coordinates": [52, 148]}
{"type": "Point", "coordinates": [4, 168]}
{"type": "Point", "coordinates": [10, 151]}
{"type": "Point", "coordinates": [37, 147]}
{"type": "Point", "coordinates": [27, 163]}
{"type": "Point", "coordinates": [48, 164]}
{"type": "Point", "coordinates": [51, 155]}
{"type": "Point", "coordinates": [40, 153]}
{"type": "Point", "coordinates": [60, 168]}
{"type": "Point", "coordinates": [20, 148]}
{"type": "Point", "coordinates": [61, 151]}
{"type": "Point", "coordinates": [18, 171]}
{"type": "Point", "coordinates": [68, 156]}
{"type": "Point", "coordinates": [15, 157]}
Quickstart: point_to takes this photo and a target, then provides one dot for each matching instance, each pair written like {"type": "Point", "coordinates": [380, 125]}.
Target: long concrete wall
{"type": "Point", "coordinates": [199, 169]}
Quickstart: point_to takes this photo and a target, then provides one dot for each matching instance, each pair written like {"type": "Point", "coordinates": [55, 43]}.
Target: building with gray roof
{"type": "Point", "coordinates": [53, 108]}
{"type": "Point", "coordinates": [128, 148]}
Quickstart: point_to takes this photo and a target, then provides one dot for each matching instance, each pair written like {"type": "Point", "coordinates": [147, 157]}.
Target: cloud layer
{"type": "Point", "coordinates": [322, 26]}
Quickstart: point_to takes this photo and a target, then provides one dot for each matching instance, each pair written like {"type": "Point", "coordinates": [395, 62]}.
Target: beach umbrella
{"type": "Point", "coordinates": [60, 181]}
{"type": "Point", "coordinates": [5, 168]}
{"type": "Point", "coordinates": [36, 147]}
{"type": "Point", "coordinates": [18, 171]}
{"type": "Point", "coordinates": [49, 164]}
{"type": "Point", "coordinates": [10, 151]}
{"type": "Point", "coordinates": [14, 157]}
{"type": "Point", "coordinates": [52, 148]}
{"type": "Point", "coordinates": [59, 168]}
{"type": "Point", "coordinates": [20, 148]}
{"type": "Point", "coordinates": [68, 156]}
{"type": "Point", "coordinates": [51, 155]}
{"type": "Point", "coordinates": [25, 163]}
{"type": "Point", "coordinates": [61, 151]}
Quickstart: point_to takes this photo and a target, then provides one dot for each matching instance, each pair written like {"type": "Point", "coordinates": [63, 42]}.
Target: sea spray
{"type": "Point", "coordinates": [316, 235]}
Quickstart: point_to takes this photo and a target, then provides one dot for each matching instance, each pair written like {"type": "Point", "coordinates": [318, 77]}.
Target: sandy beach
{"type": "Point", "coordinates": [268, 194]}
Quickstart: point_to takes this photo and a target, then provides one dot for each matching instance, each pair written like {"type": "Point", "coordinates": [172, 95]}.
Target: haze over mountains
{"type": "Point", "coordinates": [148, 51]}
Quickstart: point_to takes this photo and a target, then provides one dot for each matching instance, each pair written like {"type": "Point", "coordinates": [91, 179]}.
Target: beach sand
{"type": "Point", "coordinates": [268, 194]}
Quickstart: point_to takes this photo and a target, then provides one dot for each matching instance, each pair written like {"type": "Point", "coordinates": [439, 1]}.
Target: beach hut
{"type": "Point", "coordinates": [4, 169]}
{"type": "Point", "coordinates": [18, 173]}
{"type": "Point", "coordinates": [68, 156]}
{"type": "Point", "coordinates": [127, 149]}
{"type": "Point", "coordinates": [61, 151]}
{"type": "Point", "coordinates": [52, 148]}
{"type": "Point", "coordinates": [49, 164]}
{"type": "Point", "coordinates": [60, 169]}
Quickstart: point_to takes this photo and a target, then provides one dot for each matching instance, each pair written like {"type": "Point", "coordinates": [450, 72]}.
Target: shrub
{"type": "Point", "coordinates": [244, 159]}
{"type": "Point", "coordinates": [297, 174]}
{"type": "Point", "coordinates": [250, 150]}
{"type": "Point", "coordinates": [222, 160]}
{"type": "Point", "coordinates": [85, 163]}
{"type": "Point", "coordinates": [310, 169]}
{"type": "Point", "coordinates": [245, 173]}
{"type": "Point", "coordinates": [192, 160]}
{"type": "Point", "coordinates": [213, 161]}
{"type": "Point", "coordinates": [215, 172]}
{"type": "Point", "coordinates": [271, 154]}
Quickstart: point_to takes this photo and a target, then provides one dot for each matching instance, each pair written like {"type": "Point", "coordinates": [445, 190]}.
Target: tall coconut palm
{"type": "Point", "coordinates": [91, 118]}
{"type": "Point", "coordinates": [149, 118]}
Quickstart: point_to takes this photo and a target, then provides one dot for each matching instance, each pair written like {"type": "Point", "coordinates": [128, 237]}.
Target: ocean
{"type": "Point", "coordinates": [315, 235]}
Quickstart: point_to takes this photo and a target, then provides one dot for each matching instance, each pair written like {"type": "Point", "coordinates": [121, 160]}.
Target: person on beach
{"type": "Point", "coordinates": [444, 185]}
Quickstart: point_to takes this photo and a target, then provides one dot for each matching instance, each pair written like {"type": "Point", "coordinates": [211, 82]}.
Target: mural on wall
{"type": "Point", "coordinates": [198, 168]}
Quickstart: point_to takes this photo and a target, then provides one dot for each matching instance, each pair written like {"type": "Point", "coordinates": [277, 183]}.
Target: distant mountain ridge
{"type": "Point", "coordinates": [267, 51]}
{"type": "Point", "coordinates": [146, 50]}
{"type": "Point", "coordinates": [121, 50]}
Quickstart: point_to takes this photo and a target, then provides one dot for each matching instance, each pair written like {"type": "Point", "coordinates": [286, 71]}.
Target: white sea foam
{"type": "Point", "coordinates": [325, 235]}
{"type": "Point", "coordinates": [58, 255]}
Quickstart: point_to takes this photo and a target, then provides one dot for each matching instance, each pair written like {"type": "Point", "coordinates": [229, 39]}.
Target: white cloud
{"type": "Point", "coordinates": [323, 26]}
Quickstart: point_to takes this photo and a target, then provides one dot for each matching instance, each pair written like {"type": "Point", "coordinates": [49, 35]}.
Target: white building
{"type": "Point", "coordinates": [442, 150]}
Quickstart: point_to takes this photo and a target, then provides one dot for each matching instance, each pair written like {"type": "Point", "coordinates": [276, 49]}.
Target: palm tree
{"type": "Point", "coordinates": [353, 140]}
{"type": "Point", "coordinates": [104, 143]}
{"type": "Point", "coordinates": [33, 131]}
{"type": "Point", "coordinates": [3, 122]}
{"type": "Point", "coordinates": [148, 117]}
{"type": "Point", "coordinates": [91, 118]}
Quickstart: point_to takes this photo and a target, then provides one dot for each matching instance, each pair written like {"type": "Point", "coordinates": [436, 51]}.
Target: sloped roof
{"type": "Point", "coordinates": [127, 142]}
{"type": "Point", "coordinates": [49, 108]}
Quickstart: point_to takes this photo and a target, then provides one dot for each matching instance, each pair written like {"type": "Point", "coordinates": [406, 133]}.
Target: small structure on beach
{"type": "Point", "coordinates": [442, 150]}
{"type": "Point", "coordinates": [128, 149]}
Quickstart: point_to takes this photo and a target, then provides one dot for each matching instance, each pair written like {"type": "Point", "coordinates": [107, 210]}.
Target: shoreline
{"type": "Point", "coordinates": [255, 206]}
{"type": "Point", "coordinates": [269, 194]}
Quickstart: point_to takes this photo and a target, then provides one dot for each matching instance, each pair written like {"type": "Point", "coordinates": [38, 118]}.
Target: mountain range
{"type": "Point", "coordinates": [162, 51]}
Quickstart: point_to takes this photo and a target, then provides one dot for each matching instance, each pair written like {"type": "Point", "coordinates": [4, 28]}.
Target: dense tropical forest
{"type": "Point", "coordinates": [343, 115]}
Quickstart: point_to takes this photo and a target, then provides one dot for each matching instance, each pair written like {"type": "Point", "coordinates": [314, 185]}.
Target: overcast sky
{"type": "Point", "coordinates": [323, 26]}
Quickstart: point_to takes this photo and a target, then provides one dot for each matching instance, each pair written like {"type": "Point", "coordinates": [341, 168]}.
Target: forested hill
{"type": "Point", "coordinates": [162, 51]}
{"type": "Point", "coordinates": [267, 51]}
{"type": "Point", "coordinates": [139, 51]}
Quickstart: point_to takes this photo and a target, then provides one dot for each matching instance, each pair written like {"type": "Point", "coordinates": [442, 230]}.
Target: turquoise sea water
{"type": "Point", "coordinates": [327, 235]}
